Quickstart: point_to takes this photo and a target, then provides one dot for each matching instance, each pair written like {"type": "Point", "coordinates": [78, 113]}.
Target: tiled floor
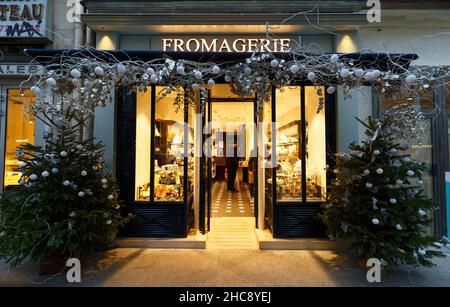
{"type": "Point", "coordinates": [229, 204]}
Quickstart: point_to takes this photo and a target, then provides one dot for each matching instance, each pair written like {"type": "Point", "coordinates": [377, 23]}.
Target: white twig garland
{"type": "Point", "coordinates": [86, 82]}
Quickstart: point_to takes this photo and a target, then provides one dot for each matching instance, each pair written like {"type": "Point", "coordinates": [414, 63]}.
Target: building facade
{"type": "Point", "coordinates": [169, 196]}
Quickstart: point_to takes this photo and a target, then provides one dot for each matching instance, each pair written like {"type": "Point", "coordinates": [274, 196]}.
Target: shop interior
{"type": "Point", "coordinates": [19, 131]}
{"type": "Point", "coordinates": [233, 123]}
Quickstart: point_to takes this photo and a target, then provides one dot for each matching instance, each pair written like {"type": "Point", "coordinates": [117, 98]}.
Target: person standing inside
{"type": "Point", "coordinates": [232, 164]}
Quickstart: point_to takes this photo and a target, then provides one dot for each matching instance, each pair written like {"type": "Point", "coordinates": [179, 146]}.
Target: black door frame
{"type": "Point", "coordinates": [206, 163]}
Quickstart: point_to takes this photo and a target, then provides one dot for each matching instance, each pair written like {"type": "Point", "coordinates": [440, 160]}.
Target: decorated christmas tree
{"type": "Point", "coordinates": [377, 202]}
{"type": "Point", "coordinates": [66, 202]}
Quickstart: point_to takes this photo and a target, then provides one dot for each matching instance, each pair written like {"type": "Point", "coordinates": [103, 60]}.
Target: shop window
{"type": "Point", "coordinates": [19, 131]}
{"type": "Point", "coordinates": [143, 144]}
{"type": "Point", "coordinates": [288, 144]}
{"type": "Point", "coordinates": [315, 144]}
{"type": "Point", "coordinates": [300, 175]}
{"type": "Point", "coordinates": [168, 148]}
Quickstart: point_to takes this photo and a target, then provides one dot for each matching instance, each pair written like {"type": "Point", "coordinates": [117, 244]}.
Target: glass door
{"type": "Point", "coordinates": [206, 163]}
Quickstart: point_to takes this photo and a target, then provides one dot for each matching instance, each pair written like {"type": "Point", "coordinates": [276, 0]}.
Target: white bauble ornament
{"type": "Point", "coordinates": [104, 180]}
{"type": "Point", "coordinates": [66, 183]}
{"type": "Point", "coordinates": [180, 70]}
{"type": "Point", "coordinates": [63, 153]}
{"type": "Point", "coordinates": [75, 73]}
{"type": "Point", "coordinates": [399, 181]}
{"type": "Point", "coordinates": [22, 164]}
{"type": "Point", "coordinates": [150, 71]}
{"type": "Point", "coordinates": [36, 89]}
{"type": "Point", "coordinates": [379, 171]}
{"type": "Point", "coordinates": [392, 201]}
{"type": "Point", "coordinates": [227, 78]}
{"type": "Point", "coordinates": [369, 185]}
{"type": "Point", "coordinates": [334, 58]}
{"type": "Point", "coordinates": [331, 90]}
{"type": "Point", "coordinates": [99, 71]}
{"type": "Point", "coordinates": [79, 147]}
{"type": "Point", "coordinates": [195, 86]}
{"type": "Point", "coordinates": [45, 174]}
{"type": "Point", "coordinates": [359, 72]}
{"type": "Point", "coordinates": [376, 152]}
{"type": "Point", "coordinates": [117, 206]}
{"type": "Point", "coordinates": [274, 63]}
{"type": "Point", "coordinates": [366, 172]}
{"type": "Point", "coordinates": [375, 221]}
{"type": "Point", "coordinates": [407, 159]}
{"type": "Point", "coordinates": [72, 214]}
{"type": "Point", "coordinates": [336, 171]}
{"type": "Point", "coordinates": [421, 212]}
{"type": "Point", "coordinates": [311, 76]}
{"type": "Point", "coordinates": [376, 74]}
{"type": "Point", "coordinates": [108, 222]}
{"type": "Point", "coordinates": [81, 194]}
{"type": "Point", "coordinates": [393, 151]}
{"type": "Point", "coordinates": [211, 82]}
{"type": "Point", "coordinates": [215, 69]}
{"type": "Point", "coordinates": [104, 186]}
{"type": "Point", "coordinates": [21, 182]}
{"type": "Point", "coordinates": [368, 76]}
{"type": "Point", "coordinates": [87, 83]}
{"type": "Point", "coordinates": [419, 182]}
{"type": "Point", "coordinates": [33, 177]}
{"type": "Point", "coordinates": [410, 79]}
{"type": "Point", "coordinates": [76, 81]}
{"type": "Point", "coordinates": [294, 68]}
{"type": "Point", "coordinates": [422, 252]}
{"type": "Point", "coordinates": [145, 76]}
{"type": "Point", "coordinates": [50, 81]}
{"type": "Point", "coordinates": [121, 69]}
{"type": "Point", "coordinates": [55, 170]}
{"type": "Point", "coordinates": [410, 173]}
{"type": "Point", "coordinates": [94, 167]}
{"type": "Point", "coordinates": [110, 197]}
{"type": "Point", "coordinates": [399, 227]}
{"type": "Point", "coordinates": [344, 73]}
{"type": "Point", "coordinates": [198, 75]}
{"type": "Point", "coordinates": [84, 173]}
{"type": "Point", "coordinates": [153, 78]}
{"type": "Point", "coordinates": [247, 70]}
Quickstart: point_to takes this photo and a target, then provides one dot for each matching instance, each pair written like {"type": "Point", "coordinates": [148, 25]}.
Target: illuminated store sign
{"type": "Point", "coordinates": [226, 44]}
{"type": "Point", "coordinates": [23, 18]}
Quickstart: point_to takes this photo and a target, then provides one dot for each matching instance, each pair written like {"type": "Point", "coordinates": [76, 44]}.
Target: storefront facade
{"type": "Point", "coordinates": [144, 132]}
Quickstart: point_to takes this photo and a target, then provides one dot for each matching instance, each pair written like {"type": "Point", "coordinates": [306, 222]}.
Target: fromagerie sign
{"type": "Point", "coordinates": [23, 18]}
{"type": "Point", "coordinates": [225, 44]}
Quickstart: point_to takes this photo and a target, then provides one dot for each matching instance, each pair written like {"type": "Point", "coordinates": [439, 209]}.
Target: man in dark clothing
{"type": "Point", "coordinates": [252, 166]}
{"type": "Point", "coordinates": [232, 164]}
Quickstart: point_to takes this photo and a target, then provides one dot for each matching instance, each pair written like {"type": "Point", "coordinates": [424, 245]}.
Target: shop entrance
{"type": "Point", "coordinates": [229, 194]}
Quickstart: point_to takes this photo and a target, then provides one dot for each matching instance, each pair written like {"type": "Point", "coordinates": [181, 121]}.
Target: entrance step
{"type": "Point", "coordinates": [267, 242]}
{"type": "Point", "coordinates": [232, 233]}
{"type": "Point", "coordinates": [193, 241]}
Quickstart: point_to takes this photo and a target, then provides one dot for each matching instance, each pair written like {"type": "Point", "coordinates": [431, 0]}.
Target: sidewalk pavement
{"type": "Point", "coordinates": [246, 268]}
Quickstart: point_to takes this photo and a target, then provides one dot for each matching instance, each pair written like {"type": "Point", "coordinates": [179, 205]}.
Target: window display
{"type": "Point", "coordinates": [20, 131]}
{"type": "Point", "coordinates": [168, 146]}
{"type": "Point", "coordinates": [143, 144]}
{"type": "Point", "coordinates": [316, 162]}
{"type": "Point", "coordinates": [289, 144]}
